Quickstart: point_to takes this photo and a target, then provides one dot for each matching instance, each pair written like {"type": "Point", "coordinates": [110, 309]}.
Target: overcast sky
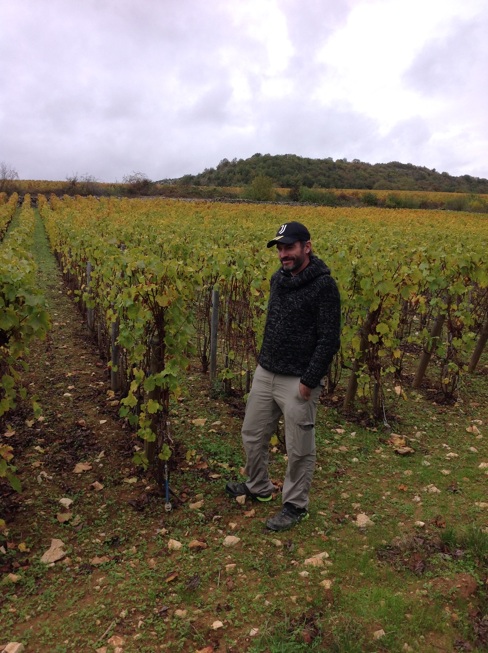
{"type": "Point", "coordinates": [169, 87]}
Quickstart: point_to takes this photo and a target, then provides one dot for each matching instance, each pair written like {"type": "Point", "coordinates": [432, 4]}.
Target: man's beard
{"type": "Point", "coordinates": [296, 261]}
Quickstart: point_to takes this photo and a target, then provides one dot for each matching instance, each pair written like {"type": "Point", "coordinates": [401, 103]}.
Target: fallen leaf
{"type": "Point", "coordinates": [65, 502]}
{"type": "Point", "coordinates": [174, 545]}
{"type": "Point", "coordinates": [64, 517]}
{"type": "Point", "coordinates": [317, 560]}
{"type": "Point", "coordinates": [404, 451]}
{"type": "Point", "coordinates": [99, 560]}
{"type": "Point", "coordinates": [116, 640]}
{"type": "Point", "coordinates": [9, 434]}
{"type": "Point", "coordinates": [55, 552]}
{"type": "Point", "coordinates": [196, 506]}
{"type": "Point", "coordinates": [193, 582]}
{"type": "Point", "coordinates": [397, 440]}
{"type": "Point", "coordinates": [97, 486]}
{"type": "Point", "coordinates": [201, 421]}
{"type": "Point", "coordinates": [171, 577]}
{"type": "Point", "coordinates": [217, 624]}
{"type": "Point", "coordinates": [197, 544]}
{"type": "Point", "coordinates": [13, 578]}
{"type": "Point", "coordinates": [82, 467]}
{"type": "Point", "coordinates": [363, 520]}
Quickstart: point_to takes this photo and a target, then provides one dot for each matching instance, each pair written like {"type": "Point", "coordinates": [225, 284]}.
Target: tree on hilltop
{"type": "Point", "coordinates": [7, 176]}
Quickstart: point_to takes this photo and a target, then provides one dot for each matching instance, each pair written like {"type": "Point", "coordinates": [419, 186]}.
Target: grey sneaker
{"type": "Point", "coordinates": [287, 518]}
{"type": "Point", "coordinates": [239, 489]}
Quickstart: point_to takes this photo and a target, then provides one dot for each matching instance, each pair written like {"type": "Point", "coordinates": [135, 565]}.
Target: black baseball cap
{"type": "Point", "coordinates": [289, 233]}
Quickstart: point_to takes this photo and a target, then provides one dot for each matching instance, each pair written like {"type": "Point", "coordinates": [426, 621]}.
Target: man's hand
{"type": "Point", "coordinates": [304, 391]}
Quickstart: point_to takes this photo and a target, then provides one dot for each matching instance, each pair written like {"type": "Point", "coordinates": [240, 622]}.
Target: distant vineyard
{"type": "Point", "coordinates": [414, 289]}
{"type": "Point", "coordinates": [473, 202]}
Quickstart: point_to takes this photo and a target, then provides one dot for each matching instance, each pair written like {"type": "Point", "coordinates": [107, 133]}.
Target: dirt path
{"type": "Point", "coordinates": [79, 425]}
{"type": "Point", "coordinates": [71, 383]}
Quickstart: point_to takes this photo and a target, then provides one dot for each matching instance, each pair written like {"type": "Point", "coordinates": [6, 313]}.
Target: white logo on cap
{"type": "Point", "coordinates": [282, 228]}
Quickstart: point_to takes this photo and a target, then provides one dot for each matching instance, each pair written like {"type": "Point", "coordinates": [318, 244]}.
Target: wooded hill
{"type": "Point", "coordinates": [292, 171]}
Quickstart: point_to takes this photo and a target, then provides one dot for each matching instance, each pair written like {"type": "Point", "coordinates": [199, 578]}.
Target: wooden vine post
{"type": "Point", "coordinates": [90, 313]}
{"type": "Point", "coordinates": [115, 356]}
{"type": "Point", "coordinates": [214, 326]}
{"type": "Point", "coordinates": [156, 364]}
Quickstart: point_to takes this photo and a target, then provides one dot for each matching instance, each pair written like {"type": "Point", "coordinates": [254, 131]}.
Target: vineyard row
{"type": "Point", "coordinates": [23, 315]}
{"type": "Point", "coordinates": [414, 289]}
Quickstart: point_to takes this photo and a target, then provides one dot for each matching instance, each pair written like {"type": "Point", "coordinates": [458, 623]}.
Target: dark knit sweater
{"type": "Point", "coordinates": [302, 328]}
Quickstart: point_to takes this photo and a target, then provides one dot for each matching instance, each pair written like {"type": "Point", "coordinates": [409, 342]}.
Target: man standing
{"type": "Point", "coordinates": [301, 337]}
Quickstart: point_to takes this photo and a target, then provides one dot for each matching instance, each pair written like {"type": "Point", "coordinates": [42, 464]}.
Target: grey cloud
{"type": "Point", "coordinates": [211, 106]}
{"type": "Point", "coordinates": [454, 63]}
{"type": "Point", "coordinates": [316, 131]}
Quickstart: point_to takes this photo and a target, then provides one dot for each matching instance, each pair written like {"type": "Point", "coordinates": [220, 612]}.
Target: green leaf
{"type": "Point", "coordinates": [165, 453]}
{"type": "Point", "coordinates": [153, 406]}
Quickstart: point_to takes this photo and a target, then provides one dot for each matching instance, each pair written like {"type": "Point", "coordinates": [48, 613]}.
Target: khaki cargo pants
{"type": "Point", "coordinates": [271, 396]}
